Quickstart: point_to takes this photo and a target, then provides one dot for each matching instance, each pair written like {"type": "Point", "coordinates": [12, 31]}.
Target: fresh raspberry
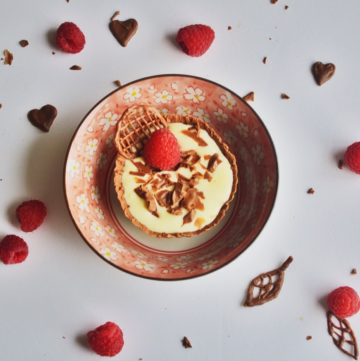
{"type": "Point", "coordinates": [70, 38]}
{"type": "Point", "coordinates": [352, 157]}
{"type": "Point", "coordinates": [106, 340]}
{"type": "Point", "coordinates": [13, 249]}
{"type": "Point", "coordinates": [195, 40]}
{"type": "Point", "coordinates": [343, 302]}
{"type": "Point", "coordinates": [31, 215]}
{"type": "Point", "coordinates": [162, 150]}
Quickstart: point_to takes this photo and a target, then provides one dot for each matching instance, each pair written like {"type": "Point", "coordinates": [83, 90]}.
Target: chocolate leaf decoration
{"type": "Point", "coordinates": [268, 289]}
{"type": "Point", "coordinates": [342, 334]}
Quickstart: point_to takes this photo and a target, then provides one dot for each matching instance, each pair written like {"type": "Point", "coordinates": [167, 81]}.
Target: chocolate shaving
{"type": "Point", "coordinates": [311, 191]}
{"type": "Point", "coordinates": [213, 163]}
{"type": "Point", "coordinates": [186, 343]}
{"type": "Point", "coordinates": [269, 290]}
{"type": "Point", "coordinates": [138, 180]}
{"type": "Point", "coordinates": [115, 15]}
{"type": "Point", "coordinates": [8, 57]}
{"type": "Point", "coordinates": [207, 176]}
{"type": "Point", "coordinates": [340, 164]}
{"type": "Point", "coordinates": [264, 60]}
{"type": "Point", "coordinates": [185, 154]}
{"type": "Point", "coordinates": [182, 178]}
{"type": "Point", "coordinates": [195, 137]}
{"type": "Point", "coordinates": [139, 174]}
{"type": "Point", "coordinates": [149, 199]}
{"type": "Point", "coordinates": [249, 97]}
{"type": "Point", "coordinates": [0, 106]}
{"type": "Point", "coordinates": [142, 167]}
{"type": "Point", "coordinates": [117, 82]}
{"type": "Point", "coordinates": [164, 198]}
{"type": "Point", "coordinates": [207, 157]}
{"type": "Point", "coordinates": [342, 334]}
{"type": "Point", "coordinates": [23, 43]}
{"type": "Point", "coordinates": [76, 67]}
{"type": "Point", "coordinates": [323, 72]}
{"type": "Point", "coordinates": [189, 217]}
{"type": "Point", "coordinates": [178, 193]}
{"type": "Point", "coordinates": [284, 96]}
{"type": "Point", "coordinates": [192, 200]}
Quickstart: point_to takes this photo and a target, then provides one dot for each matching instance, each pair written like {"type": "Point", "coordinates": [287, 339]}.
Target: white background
{"type": "Point", "coordinates": [63, 289]}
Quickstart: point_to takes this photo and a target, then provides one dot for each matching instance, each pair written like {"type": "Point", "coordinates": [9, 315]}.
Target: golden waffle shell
{"type": "Point", "coordinates": [134, 129]}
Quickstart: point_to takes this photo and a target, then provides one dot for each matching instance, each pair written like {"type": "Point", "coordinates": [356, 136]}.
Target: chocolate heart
{"type": "Point", "coordinates": [323, 72]}
{"type": "Point", "coordinates": [43, 118]}
{"type": "Point", "coordinates": [123, 31]}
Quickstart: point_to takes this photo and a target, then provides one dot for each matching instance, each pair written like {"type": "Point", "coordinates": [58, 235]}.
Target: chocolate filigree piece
{"type": "Point", "coordinates": [342, 335]}
{"type": "Point", "coordinates": [268, 289]}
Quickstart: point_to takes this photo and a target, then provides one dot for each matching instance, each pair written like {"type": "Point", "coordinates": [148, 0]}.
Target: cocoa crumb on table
{"type": "Point", "coordinates": [286, 7]}
{"type": "Point", "coordinates": [186, 343]}
{"type": "Point", "coordinates": [284, 96]}
{"type": "Point", "coordinates": [273, 1]}
{"type": "Point", "coordinates": [308, 338]}
{"type": "Point", "coordinates": [117, 82]}
{"type": "Point", "coordinates": [53, 53]}
{"type": "Point", "coordinates": [23, 43]}
{"type": "Point", "coordinates": [249, 97]}
{"type": "Point", "coordinates": [0, 106]}
{"type": "Point", "coordinates": [340, 164]}
{"type": "Point", "coordinates": [311, 191]}
{"type": "Point", "coordinates": [264, 60]}
{"type": "Point", "coordinates": [76, 67]}
{"type": "Point", "coordinates": [229, 28]}
{"type": "Point", "coordinates": [354, 271]}
{"type": "Point", "coordinates": [8, 57]}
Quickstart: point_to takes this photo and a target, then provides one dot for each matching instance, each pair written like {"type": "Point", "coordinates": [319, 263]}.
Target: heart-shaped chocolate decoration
{"type": "Point", "coordinates": [323, 72]}
{"type": "Point", "coordinates": [43, 118]}
{"type": "Point", "coordinates": [123, 31]}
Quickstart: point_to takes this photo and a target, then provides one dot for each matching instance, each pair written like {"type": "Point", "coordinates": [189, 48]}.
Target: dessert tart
{"type": "Point", "coordinates": [185, 201]}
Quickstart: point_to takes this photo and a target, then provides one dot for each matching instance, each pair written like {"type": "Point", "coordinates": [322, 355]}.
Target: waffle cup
{"type": "Point", "coordinates": [132, 145]}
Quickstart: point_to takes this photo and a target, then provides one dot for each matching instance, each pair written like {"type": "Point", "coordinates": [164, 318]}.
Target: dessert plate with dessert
{"type": "Point", "coordinates": [170, 177]}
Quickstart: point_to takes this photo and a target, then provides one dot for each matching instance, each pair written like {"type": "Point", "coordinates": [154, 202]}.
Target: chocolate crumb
{"type": "Point", "coordinates": [76, 67]}
{"type": "Point", "coordinates": [274, 1]}
{"type": "Point", "coordinates": [354, 271]}
{"type": "Point", "coordinates": [264, 60]}
{"type": "Point", "coordinates": [340, 164]}
{"type": "Point", "coordinates": [249, 97]}
{"type": "Point", "coordinates": [284, 96]}
{"type": "Point", "coordinates": [0, 106]}
{"type": "Point", "coordinates": [186, 343]}
{"type": "Point", "coordinates": [24, 43]}
{"type": "Point", "coordinates": [117, 82]}
{"type": "Point", "coordinates": [8, 57]}
{"type": "Point", "coordinates": [311, 191]}
{"type": "Point", "coordinates": [229, 28]}
{"type": "Point", "coordinates": [64, 337]}
{"type": "Point", "coordinates": [286, 7]}
{"type": "Point", "coordinates": [53, 53]}
{"type": "Point", "coordinates": [2, 59]}
{"type": "Point", "coordinates": [308, 338]}
{"type": "Point", "coordinates": [67, 1]}
{"type": "Point", "coordinates": [115, 15]}
{"type": "Point", "coordinates": [269, 38]}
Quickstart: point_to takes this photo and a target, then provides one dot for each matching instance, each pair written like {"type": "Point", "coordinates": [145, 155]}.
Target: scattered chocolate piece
{"type": "Point", "coordinates": [284, 96]}
{"type": "Point", "coordinates": [53, 53]}
{"type": "Point", "coordinates": [269, 38]}
{"type": "Point", "coordinates": [194, 136]}
{"type": "Point", "coordinates": [274, 1]}
{"type": "Point", "coordinates": [213, 163]}
{"type": "Point", "coordinates": [249, 97]}
{"type": "Point", "coordinates": [308, 338]}
{"type": "Point", "coordinates": [24, 43]}
{"type": "Point", "coordinates": [43, 118]}
{"type": "Point", "coordinates": [64, 337]}
{"type": "Point", "coordinates": [117, 82]}
{"type": "Point", "coordinates": [189, 217]}
{"type": "Point", "coordinates": [286, 7]}
{"type": "Point", "coordinates": [2, 59]}
{"type": "Point", "coordinates": [186, 343]}
{"type": "Point", "coordinates": [115, 15]}
{"type": "Point", "coordinates": [354, 271]}
{"type": "Point", "coordinates": [264, 60]}
{"type": "Point", "coordinates": [268, 290]}
{"type": "Point", "coordinates": [67, 1]}
{"type": "Point", "coordinates": [123, 31]}
{"type": "Point", "coordinates": [0, 106]}
{"type": "Point", "coordinates": [207, 176]}
{"type": "Point", "coordinates": [229, 28]}
{"type": "Point", "coordinates": [323, 72]}
{"type": "Point", "coordinates": [8, 57]}
{"type": "Point", "coordinates": [76, 67]}
{"type": "Point", "coordinates": [340, 164]}
{"type": "Point", "coordinates": [311, 191]}
{"type": "Point", "coordinates": [342, 334]}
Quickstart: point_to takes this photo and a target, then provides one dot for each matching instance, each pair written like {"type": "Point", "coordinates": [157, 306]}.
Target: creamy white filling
{"type": "Point", "coordinates": [216, 192]}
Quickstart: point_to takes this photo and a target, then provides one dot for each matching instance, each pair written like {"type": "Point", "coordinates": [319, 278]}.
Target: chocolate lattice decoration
{"type": "Point", "coordinates": [339, 333]}
{"type": "Point", "coordinates": [134, 129]}
{"type": "Point", "coordinates": [268, 290]}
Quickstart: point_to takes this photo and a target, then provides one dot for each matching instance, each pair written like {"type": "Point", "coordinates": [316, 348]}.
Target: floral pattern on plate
{"type": "Point", "coordinates": [94, 207]}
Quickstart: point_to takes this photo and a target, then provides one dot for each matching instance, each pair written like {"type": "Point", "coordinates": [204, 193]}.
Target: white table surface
{"type": "Point", "coordinates": [63, 289]}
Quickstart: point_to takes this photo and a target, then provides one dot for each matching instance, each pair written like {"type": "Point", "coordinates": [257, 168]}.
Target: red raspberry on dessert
{"type": "Point", "coordinates": [162, 150]}
{"type": "Point", "coordinates": [13, 249]}
{"type": "Point", "coordinates": [352, 157]}
{"type": "Point", "coordinates": [31, 215]}
{"type": "Point", "coordinates": [106, 340]}
{"type": "Point", "coordinates": [195, 40]}
{"type": "Point", "coordinates": [70, 38]}
{"type": "Point", "coordinates": [343, 302]}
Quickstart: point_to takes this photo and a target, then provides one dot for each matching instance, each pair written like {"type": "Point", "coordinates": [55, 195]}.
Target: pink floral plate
{"type": "Point", "coordinates": [95, 209]}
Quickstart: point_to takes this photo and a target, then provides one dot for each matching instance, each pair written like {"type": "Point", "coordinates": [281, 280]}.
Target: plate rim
{"type": "Point", "coordinates": [149, 277]}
